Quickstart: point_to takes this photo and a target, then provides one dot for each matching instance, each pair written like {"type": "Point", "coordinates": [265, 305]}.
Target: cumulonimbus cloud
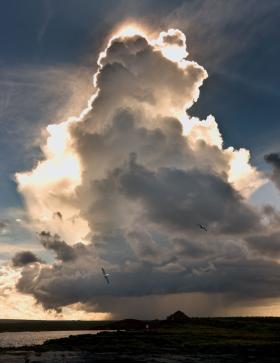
{"type": "Point", "coordinates": [132, 176]}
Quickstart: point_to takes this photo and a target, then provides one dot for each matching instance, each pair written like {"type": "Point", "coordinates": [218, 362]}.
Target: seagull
{"type": "Point", "coordinates": [58, 215]}
{"type": "Point", "coordinates": [202, 227]}
{"type": "Point", "coordinates": [106, 276]}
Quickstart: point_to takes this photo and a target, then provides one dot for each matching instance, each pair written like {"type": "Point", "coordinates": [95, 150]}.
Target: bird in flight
{"type": "Point", "coordinates": [58, 215]}
{"type": "Point", "coordinates": [202, 227]}
{"type": "Point", "coordinates": [106, 276]}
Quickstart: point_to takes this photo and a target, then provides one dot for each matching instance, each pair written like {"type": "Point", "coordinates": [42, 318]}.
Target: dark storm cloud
{"type": "Point", "coordinates": [242, 279]}
{"type": "Point", "coordinates": [274, 160]}
{"type": "Point", "coordinates": [179, 199]}
{"type": "Point", "coordinates": [193, 249]}
{"type": "Point", "coordinates": [25, 258]}
{"type": "Point", "coordinates": [144, 246]}
{"type": "Point", "coordinates": [62, 250]}
{"type": "Point", "coordinates": [266, 244]}
{"type": "Point", "coordinates": [145, 185]}
{"type": "Point", "coordinates": [162, 145]}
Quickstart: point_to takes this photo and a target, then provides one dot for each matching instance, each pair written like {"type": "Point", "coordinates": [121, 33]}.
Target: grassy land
{"type": "Point", "coordinates": [225, 339]}
{"type": "Point", "coordinates": [200, 335]}
{"type": "Point", "coordinates": [238, 340]}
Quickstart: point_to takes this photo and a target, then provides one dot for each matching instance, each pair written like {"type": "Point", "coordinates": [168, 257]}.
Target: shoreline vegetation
{"type": "Point", "coordinates": [182, 339]}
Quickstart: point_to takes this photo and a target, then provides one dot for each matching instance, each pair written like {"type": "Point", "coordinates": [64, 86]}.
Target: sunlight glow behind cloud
{"type": "Point", "coordinates": [134, 157]}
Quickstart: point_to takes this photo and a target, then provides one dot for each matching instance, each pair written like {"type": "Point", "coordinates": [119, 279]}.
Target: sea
{"type": "Point", "coordinates": [19, 339]}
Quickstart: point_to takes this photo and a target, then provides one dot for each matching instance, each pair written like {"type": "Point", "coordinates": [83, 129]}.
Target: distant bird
{"type": "Point", "coordinates": [58, 215]}
{"type": "Point", "coordinates": [106, 276]}
{"type": "Point", "coordinates": [202, 227]}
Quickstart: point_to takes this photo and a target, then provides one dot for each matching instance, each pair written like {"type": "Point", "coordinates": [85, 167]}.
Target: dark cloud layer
{"type": "Point", "coordinates": [25, 258]}
{"type": "Point", "coordinates": [241, 278]}
{"type": "Point", "coordinates": [266, 244]}
{"type": "Point", "coordinates": [179, 199]}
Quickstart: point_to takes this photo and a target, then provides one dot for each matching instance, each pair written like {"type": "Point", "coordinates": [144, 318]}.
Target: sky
{"type": "Point", "coordinates": [124, 125]}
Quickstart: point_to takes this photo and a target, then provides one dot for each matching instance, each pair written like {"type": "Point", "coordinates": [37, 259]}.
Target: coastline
{"type": "Point", "coordinates": [196, 340]}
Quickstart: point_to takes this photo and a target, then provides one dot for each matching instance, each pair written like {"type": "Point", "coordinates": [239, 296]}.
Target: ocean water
{"type": "Point", "coordinates": [18, 339]}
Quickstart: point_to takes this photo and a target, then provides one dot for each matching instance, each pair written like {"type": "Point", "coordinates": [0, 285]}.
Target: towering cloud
{"type": "Point", "coordinates": [132, 177]}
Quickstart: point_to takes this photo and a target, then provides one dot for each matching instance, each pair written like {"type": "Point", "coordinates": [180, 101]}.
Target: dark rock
{"type": "Point", "coordinates": [179, 316]}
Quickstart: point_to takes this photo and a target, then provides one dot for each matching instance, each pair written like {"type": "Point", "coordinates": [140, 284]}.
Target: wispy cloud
{"type": "Point", "coordinates": [48, 11]}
